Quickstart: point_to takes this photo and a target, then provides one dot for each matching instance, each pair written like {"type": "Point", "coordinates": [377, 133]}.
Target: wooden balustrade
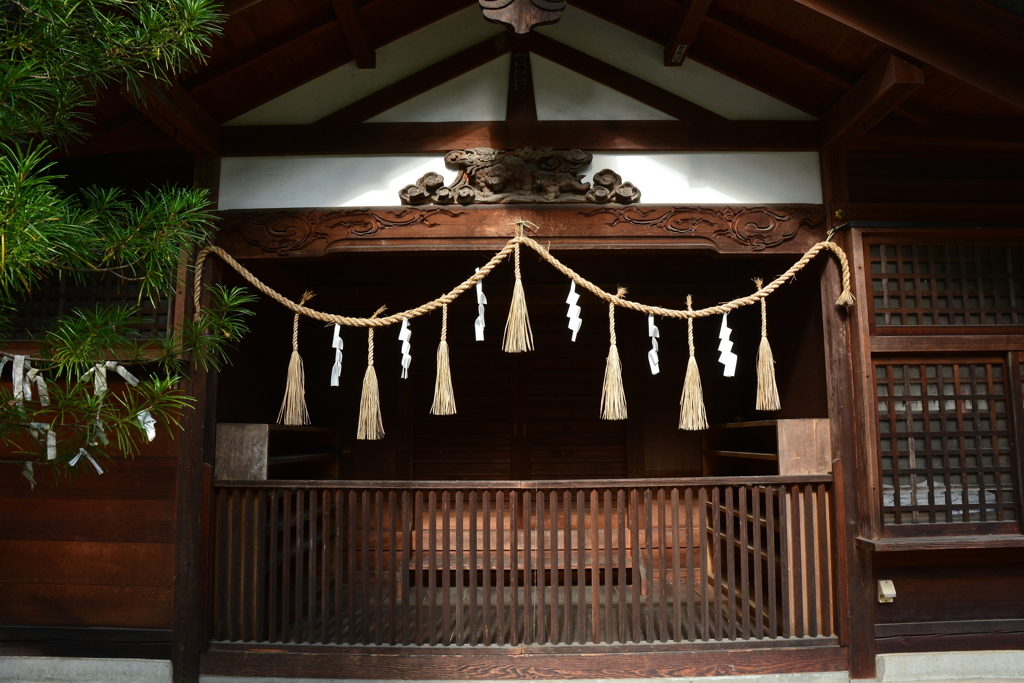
{"type": "Point", "coordinates": [522, 563]}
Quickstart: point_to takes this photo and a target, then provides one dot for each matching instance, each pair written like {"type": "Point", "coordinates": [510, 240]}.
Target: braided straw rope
{"type": "Point", "coordinates": [845, 299]}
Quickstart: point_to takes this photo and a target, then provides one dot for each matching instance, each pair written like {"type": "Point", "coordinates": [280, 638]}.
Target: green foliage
{"type": "Point", "coordinates": [55, 56]}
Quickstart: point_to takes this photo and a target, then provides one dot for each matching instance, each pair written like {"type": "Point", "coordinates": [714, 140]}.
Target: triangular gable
{"type": "Point", "coordinates": [564, 95]}
{"type": "Point", "coordinates": [480, 95]}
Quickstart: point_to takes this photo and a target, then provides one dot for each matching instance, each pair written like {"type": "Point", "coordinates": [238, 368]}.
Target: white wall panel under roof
{"type": "Point", "coordinates": [347, 84]}
{"type": "Point", "coordinates": [645, 59]}
{"type": "Point", "coordinates": [663, 178]}
{"type": "Point", "coordinates": [479, 95]}
{"type": "Point", "coordinates": [564, 95]}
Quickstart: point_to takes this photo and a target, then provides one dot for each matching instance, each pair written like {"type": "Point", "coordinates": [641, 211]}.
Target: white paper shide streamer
{"type": "Point", "coordinates": [405, 334]}
{"type": "Point", "coordinates": [337, 344]}
{"type": "Point", "coordinates": [481, 301]}
{"type": "Point", "coordinates": [574, 310]}
{"type": "Point", "coordinates": [652, 355]}
{"type": "Point", "coordinates": [727, 357]}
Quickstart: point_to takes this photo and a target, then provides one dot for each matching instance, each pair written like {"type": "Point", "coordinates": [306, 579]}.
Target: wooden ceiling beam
{"type": "Point", "coordinates": [619, 80]}
{"type": "Point", "coordinates": [947, 133]}
{"type": "Point", "coordinates": [360, 42]}
{"type": "Point", "coordinates": [911, 27]}
{"type": "Point", "coordinates": [233, 7]}
{"type": "Point", "coordinates": [890, 81]}
{"type": "Point", "coordinates": [684, 30]}
{"type": "Point", "coordinates": [177, 114]}
{"type": "Point", "coordinates": [439, 138]}
{"type": "Point", "coordinates": [418, 83]}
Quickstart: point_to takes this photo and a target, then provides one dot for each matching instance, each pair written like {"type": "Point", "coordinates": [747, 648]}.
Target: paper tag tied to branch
{"type": "Point", "coordinates": [405, 334]}
{"type": "Point", "coordinates": [147, 423]}
{"type": "Point", "coordinates": [574, 310]}
{"type": "Point", "coordinates": [481, 301]}
{"type": "Point", "coordinates": [652, 355]}
{"type": "Point", "coordinates": [337, 344]}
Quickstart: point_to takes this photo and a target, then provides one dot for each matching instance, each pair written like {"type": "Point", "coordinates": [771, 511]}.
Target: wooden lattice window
{"type": "Point", "coordinates": [945, 285]}
{"type": "Point", "coordinates": [53, 299]}
{"type": "Point", "coordinates": [946, 441]}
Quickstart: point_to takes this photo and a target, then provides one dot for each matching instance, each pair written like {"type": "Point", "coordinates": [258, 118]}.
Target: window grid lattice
{"type": "Point", "coordinates": [922, 285]}
{"type": "Point", "coordinates": [51, 300]}
{"type": "Point", "coordinates": [945, 446]}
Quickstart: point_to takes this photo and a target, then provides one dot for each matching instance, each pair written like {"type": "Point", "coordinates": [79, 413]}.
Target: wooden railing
{"type": "Point", "coordinates": [521, 563]}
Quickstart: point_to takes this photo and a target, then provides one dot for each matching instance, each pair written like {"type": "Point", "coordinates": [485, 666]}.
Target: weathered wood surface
{"type": "Point", "coordinates": [310, 233]}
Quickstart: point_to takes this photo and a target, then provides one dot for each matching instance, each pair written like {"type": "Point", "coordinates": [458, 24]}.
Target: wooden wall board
{"type": "Point", "coordinates": [102, 520]}
{"type": "Point", "coordinates": [86, 605]}
{"type": "Point", "coordinates": [86, 563]}
{"type": "Point", "coordinates": [150, 478]}
{"type": "Point", "coordinates": [50, 641]}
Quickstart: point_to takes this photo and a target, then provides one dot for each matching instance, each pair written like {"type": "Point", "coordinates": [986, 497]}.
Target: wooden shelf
{"type": "Point", "coordinates": [300, 457]}
{"type": "Point", "coordinates": [744, 454]}
{"type": "Point", "coordinates": [795, 446]}
{"type": "Point", "coordinates": [889, 545]}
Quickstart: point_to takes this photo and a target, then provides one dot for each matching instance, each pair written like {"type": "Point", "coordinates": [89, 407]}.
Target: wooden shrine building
{"type": "Point", "coordinates": [378, 152]}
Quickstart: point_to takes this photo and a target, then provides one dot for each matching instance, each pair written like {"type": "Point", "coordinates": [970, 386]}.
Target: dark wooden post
{"type": "Point", "coordinates": [195, 445]}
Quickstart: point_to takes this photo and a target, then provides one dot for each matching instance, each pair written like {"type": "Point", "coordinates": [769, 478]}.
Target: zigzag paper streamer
{"type": "Point", "coordinates": [337, 344]}
{"type": "Point", "coordinates": [574, 311]}
{"type": "Point", "coordinates": [481, 301]}
{"type": "Point", "coordinates": [727, 357]}
{"type": "Point", "coordinates": [652, 355]}
{"type": "Point", "coordinates": [405, 334]}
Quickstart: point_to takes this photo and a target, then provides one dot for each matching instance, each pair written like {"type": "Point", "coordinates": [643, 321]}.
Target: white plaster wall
{"type": "Point", "coordinates": [479, 95]}
{"type": "Point", "coordinates": [347, 84]}
{"type": "Point", "coordinates": [564, 95]}
{"type": "Point", "coordinates": [645, 59]}
{"type": "Point", "coordinates": [665, 178]}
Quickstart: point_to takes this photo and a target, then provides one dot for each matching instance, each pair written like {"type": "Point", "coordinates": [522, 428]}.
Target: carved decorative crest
{"type": "Point", "coordinates": [522, 176]}
{"type": "Point", "coordinates": [522, 15]}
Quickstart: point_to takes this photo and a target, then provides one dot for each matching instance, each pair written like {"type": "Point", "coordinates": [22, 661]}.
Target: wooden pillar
{"type": "Point", "coordinates": [195, 446]}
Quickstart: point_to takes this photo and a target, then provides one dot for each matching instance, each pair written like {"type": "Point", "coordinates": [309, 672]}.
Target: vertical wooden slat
{"type": "Point", "coordinates": [757, 526]}
{"type": "Point", "coordinates": [729, 595]}
{"type": "Point", "coordinates": [716, 559]}
{"type": "Point", "coordinates": [705, 582]}
{"type": "Point", "coordinates": [745, 556]}
{"type": "Point", "coordinates": [634, 546]}
{"type": "Point", "coordinates": [473, 568]}
{"type": "Point", "coordinates": [567, 568]}
{"type": "Point", "coordinates": [365, 555]}
{"type": "Point", "coordinates": [810, 562]}
{"type": "Point", "coordinates": [648, 562]}
{"type": "Point", "coordinates": [691, 575]}
{"type": "Point", "coordinates": [352, 549]}
{"type": "Point", "coordinates": [233, 565]}
{"type": "Point", "coordinates": [272, 629]}
{"type": "Point", "coordinates": [824, 536]}
{"type": "Point", "coordinates": [485, 603]}
{"type": "Point", "coordinates": [311, 571]}
{"type": "Point", "coordinates": [514, 526]}
{"type": "Point", "coordinates": [393, 574]}
{"type": "Point", "coordinates": [595, 569]}
{"type": "Point", "coordinates": [325, 564]}
{"type": "Point", "coordinates": [542, 569]}
{"type": "Point", "coordinates": [431, 567]}
{"type": "Point", "coordinates": [339, 560]}
{"type": "Point", "coordinates": [773, 603]}
{"type": "Point", "coordinates": [662, 601]}
{"type": "Point", "coordinates": [529, 637]}
{"type": "Point", "coordinates": [553, 634]}
{"type": "Point", "coordinates": [408, 526]}
{"type": "Point", "coordinates": [460, 567]}
{"type": "Point", "coordinates": [581, 568]}
{"type": "Point", "coordinates": [378, 567]}
{"type": "Point", "coordinates": [499, 585]}
{"type": "Point", "coordinates": [677, 581]}
{"type": "Point", "coordinates": [248, 562]}
{"type": "Point", "coordinates": [300, 572]}
{"type": "Point", "coordinates": [446, 583]}
{"type": "Point", "coordinates": [286, 562]}
{"type": "Point", "coordinates": [620, 498]}
{"type": "Point", "coordinates": [796, 549]}
{"type": "Point", "coordinates": [607, 551]}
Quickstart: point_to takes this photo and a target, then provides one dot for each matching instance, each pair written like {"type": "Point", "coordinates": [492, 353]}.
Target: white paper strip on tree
{"type": "Point", "coordinates": [405, 334]}
{"type": "Point", "coordinates": [727, 357]}
{"type": "Point", "coordinates": [652, 355]}
{"type": "Point", "coordinates": [574, 311]}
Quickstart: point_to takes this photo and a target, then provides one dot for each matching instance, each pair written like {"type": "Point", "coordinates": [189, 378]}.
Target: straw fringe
{"type": "Point", "coordinates": [518, 335]}
{"type": "Point", "coordinates": [293, 407]}
{"type": "Point", "coordinates": [767, 389]}
{"type": "Point", "coordinates": [371, 424]}
{"type": "Point", "coordinates": [692, 415]}
{"type": "Point", "coordinates": [444, 396]}
{"type": "Point", "coordinates": [613, 396]}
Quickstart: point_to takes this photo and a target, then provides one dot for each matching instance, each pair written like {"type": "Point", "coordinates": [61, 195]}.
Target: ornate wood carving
{"type": "Point", "coordinates": [521, 176]}
{"type": "Point", "coordinates": [758, 227]}
{"type": "Point", "coordinates": [312, 233]}
{"type": "Point", "coordinates": [522, 15]}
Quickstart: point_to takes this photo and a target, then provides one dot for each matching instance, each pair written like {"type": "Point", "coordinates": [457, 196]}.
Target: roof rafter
{"type": "Point", "coordinates": [890, 81]}
{"type": "Point", "coordinates": [180, 116]}
{"type": "Point", "coordinates": [684, 30]}
{"type": "Point", "coordinates": [619, 80]}
{"type": "Point", "coordinates": [360, 42]}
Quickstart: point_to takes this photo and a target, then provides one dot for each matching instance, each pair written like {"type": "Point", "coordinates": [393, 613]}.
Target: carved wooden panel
{"type": "Point", "coordinates": [311, 233]}
{"type": "Point", "coordinates": [522, 15]}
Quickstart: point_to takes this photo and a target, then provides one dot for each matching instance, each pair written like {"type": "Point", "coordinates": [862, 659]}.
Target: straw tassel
{"type": "Point", "coordinates": [518, 335]}
{"type": "Point", "coordinates": [692, 415]}
{"type": "Point", "coordinates": [613, 396]}
{"type": "Point", "coordinates": [371, 425]}
{"type": "Point", "coordinates": [293, 407]}
{"type": "Point", "coordinates": [767, 389]}
{"type": "Point", "coordinates": [444, 397]}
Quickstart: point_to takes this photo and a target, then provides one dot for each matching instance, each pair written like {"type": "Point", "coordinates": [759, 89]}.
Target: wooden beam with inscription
{"type": "Point", "coordinates": [887, 83]}
{"type": "Point", "coordinates": [422, 138]}
{"type": "Point", "coordinates": [987, 57]}
{"type": "Point", "coordinates": [690, 17]}
{"type": "Point", "coordinates": [177, 114]}
{"type": "Point", "coordinates": [314, 233]}
{"type": "Point", "coordinates": [617, 79]}
{"type": "Point", "coordinates": [360, 42]}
